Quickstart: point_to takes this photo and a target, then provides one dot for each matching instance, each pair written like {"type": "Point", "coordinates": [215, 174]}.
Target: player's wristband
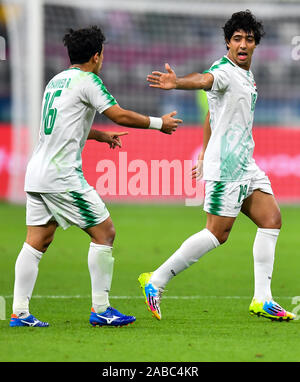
{"type": "Point", "coordinates": [155, 123]}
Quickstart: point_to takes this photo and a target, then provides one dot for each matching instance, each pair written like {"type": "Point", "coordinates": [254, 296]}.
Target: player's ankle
{"type": "Point", "coordinates": [21, 314]}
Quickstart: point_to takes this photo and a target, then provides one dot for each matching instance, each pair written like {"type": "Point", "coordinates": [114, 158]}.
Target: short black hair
{"type": "Point", "coordinates": [83, 43]}
{"type": "Point", "coordinates": [246, 21]}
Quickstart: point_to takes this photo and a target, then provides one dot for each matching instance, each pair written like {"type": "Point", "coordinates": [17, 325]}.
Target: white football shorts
{"type": "Point", "coordinates": [83, 209]}
{"type": "Point", "coordinates": [226, 198]}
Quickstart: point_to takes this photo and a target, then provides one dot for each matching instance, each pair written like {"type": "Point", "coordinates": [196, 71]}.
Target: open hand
{"type": "Point", "coordinates": [161, 80]}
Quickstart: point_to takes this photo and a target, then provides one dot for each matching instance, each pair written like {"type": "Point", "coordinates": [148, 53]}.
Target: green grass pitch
{"type": "Point", "coordinates": [205, 309]}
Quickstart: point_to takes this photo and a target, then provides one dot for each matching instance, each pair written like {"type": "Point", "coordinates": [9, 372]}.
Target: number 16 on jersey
{"type": "Point", "coordinates": [49, 112]}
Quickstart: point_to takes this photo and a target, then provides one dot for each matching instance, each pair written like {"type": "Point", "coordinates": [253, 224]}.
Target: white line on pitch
{"type": "Point", "coordinates": [141, 297]}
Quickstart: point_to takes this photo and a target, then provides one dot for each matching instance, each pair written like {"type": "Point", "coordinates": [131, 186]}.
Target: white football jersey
{"type": "Point", "coordinates": [231, 101]}
{"type": "Point", "coordinates": [70, 102]}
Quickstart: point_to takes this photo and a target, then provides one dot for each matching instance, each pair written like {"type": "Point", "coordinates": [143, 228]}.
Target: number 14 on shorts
{"type": "Point", "coordinates": [243, 192]}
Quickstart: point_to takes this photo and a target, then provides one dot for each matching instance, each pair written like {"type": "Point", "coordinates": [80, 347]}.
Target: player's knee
{"type": "Point", "coordinates": [45, 247]}
{"type": "Point", "coordinates": [111, 234]}
{"type": "Point", "coordinates": [278, 221]}
{"type": "Point", "coordinates": [104, 237]}
{"type": "Point", "coordinates": [274, 221]}
{"type": "Point", "coordinates": [46, 242]}
{"type": "Point", "coordinates": [223, 237]}
{"type": "Point", "coordinates": [40, 245]}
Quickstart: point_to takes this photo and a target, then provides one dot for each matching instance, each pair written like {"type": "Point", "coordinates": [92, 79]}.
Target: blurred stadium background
{"type": "Point", "coordinates": [141, 36]}
{"type": "Point", "coordinates": [151, 167]}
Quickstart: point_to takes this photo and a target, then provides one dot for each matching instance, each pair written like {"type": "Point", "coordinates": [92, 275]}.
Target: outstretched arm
{"type": "Point", "coordinates": [169, 80]}
{"type": "Point", "coordinates": [167, 123]}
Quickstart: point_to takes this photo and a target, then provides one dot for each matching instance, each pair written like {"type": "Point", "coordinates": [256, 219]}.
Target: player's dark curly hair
{"type": "Point", "coordinates": [83, 43]}
{"type": "Point", "coordinates": [246, 21]}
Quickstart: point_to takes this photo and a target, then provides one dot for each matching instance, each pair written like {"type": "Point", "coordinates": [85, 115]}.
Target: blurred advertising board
{"type": "Point", "coordinates": [155, 167]}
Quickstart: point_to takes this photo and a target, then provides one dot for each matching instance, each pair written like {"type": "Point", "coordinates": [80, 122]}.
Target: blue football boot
{"type": "Point", "coordinates": [28, 321]}
{"type": "Point", "coordinates": [111, 317]}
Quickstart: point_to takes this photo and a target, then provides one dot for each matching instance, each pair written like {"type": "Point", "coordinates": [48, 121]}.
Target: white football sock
{"type": "Point", "coordinates": [26, 271]}
{"type": "Point", "coordinates": [100, 263]}
{"type": "Point", "coordinates": [190, 251]}
{"type": "Point", "coordinates": [263, 255]}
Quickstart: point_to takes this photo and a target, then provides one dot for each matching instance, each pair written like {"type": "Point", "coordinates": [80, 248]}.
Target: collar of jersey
{"type": "Point", "coordinates": [238, 67]}
{"type": "Point", "coordinates": [74, 68]}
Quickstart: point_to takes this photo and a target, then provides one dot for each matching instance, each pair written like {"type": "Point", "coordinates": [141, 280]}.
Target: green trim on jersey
{"type": "Point", "coordinates": [84, 209]}
{"type": "Point", "coordinates": [216, 198]}
{"type": "Point", "coordinates": [224, 60]}
{"type": "Point", "coordinates": [97, 80]}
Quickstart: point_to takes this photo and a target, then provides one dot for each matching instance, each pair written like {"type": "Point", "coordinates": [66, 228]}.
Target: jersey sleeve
{"type": "Point", "coordinates": [96, 94]}
{"type": "Point", "coordinates": [221, 77]}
